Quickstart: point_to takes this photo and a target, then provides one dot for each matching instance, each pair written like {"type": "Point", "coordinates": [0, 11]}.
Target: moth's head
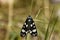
{"type": "Point", "coordinates": [29, 20]}
{"type": "Point", "coordinates": [29, 17]}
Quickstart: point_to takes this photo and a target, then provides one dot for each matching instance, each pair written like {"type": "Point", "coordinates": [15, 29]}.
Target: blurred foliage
{"type": "Point", "coordinates": [23, 3]}
{"type": "Point", "coordinates": [20, 12]}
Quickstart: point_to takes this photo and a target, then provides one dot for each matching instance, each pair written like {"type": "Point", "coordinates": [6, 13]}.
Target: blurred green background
{"type": "Point", "coordinates": [45, 14]}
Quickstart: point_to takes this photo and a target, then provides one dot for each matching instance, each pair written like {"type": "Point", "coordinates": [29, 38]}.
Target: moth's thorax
{"type": "Point", "coordinates": [29, 20]}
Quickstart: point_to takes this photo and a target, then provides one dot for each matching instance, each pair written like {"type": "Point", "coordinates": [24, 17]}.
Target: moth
{"type": "Point", "coordinates": [28, 27]}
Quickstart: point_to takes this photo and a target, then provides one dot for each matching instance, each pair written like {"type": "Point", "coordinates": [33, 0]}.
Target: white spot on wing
{"type": "Point", "coordinates": [31, 25]}
{"type": "Point", "coordinates": [26, 25]}
{"type": "Point", "coordinates": [30, 31]}
{"type": "Point", "coordinates": [27, 32]}
{"type": "Point", "coordinates": [34, 30]}
{"type": "Point", "coordinates": [23, 30]}
{"type": "Point", "coordinates": [29, 20]}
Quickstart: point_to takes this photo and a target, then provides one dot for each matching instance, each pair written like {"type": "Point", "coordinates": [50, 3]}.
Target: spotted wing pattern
{"type": "Point", "coordinates": [28, 27]}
